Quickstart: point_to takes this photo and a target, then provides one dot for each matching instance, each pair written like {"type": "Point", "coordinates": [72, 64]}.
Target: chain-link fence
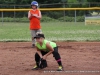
{"type": "Point", "coordinates": [61, 15]}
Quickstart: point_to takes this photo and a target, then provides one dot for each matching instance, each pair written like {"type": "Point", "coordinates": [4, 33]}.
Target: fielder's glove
{"type": "Point", "coordinates": [43, 63]}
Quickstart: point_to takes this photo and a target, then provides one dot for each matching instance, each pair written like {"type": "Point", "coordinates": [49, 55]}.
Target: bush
{"type": "Point", "coordinates": [10, 19]}
{"type": "Point", "coordinates": [72, 19]}
{"type": "Point", "coordinates": [54, 14]}
{"type": "Point", "coordinates": [67, 19]}
{"type": "Point", "coordinates": [6, 19]}
{"type": "Point", "coordinates": [24, 19]}
{"type": "Point", "coordinates": [80, 19]}
{"type": "Point", "coordinates": [47, 19]}
{"type": "Point", "coordinates": [44, 19]}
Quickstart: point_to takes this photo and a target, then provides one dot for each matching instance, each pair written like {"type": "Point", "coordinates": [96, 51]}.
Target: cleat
{"type": "Point", "coordinates": [33, 45]}
{"type": "Point", "coordinates": [35, 67]}
{"type": "Point", "coordinates": [60, 68]}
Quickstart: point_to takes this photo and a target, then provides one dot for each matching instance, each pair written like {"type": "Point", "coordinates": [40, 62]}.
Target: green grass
{"type": "Point", "coordinates": [55, 31]}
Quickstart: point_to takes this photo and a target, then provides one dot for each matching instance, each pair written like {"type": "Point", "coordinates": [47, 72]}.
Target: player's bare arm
{"type": "Point", "coordinates": [38, 16]}
{"type": "Point", "coordinates": [38, 51]}
{"type": "Point", "coordinates": [29, 15]}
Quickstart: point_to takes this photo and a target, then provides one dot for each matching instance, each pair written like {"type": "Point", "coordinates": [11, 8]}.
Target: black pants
{"type": "Point", "coordinates": [55, 55]}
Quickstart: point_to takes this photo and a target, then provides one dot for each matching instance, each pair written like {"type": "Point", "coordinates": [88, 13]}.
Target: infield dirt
{"type": "Point", "coordinates": [78, 58]}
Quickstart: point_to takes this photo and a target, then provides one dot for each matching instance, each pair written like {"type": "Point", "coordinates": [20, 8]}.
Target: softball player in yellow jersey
{"type": "Point", "coordinates": [45, 48]}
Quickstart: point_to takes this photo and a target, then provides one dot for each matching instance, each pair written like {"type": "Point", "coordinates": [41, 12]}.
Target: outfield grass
{"type": "Point", "coordinates": [55, 31]}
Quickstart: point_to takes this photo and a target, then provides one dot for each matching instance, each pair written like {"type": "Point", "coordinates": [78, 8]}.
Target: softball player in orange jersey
{"type": "Point", "coordinates": [34, 16]}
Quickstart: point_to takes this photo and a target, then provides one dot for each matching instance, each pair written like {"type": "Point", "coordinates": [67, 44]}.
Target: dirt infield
{"type": "Point", "coordinates": [79, 58]}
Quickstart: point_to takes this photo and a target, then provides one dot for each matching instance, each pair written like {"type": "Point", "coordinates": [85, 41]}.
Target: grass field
{"type": "Point", "coordinates": [55, 31]}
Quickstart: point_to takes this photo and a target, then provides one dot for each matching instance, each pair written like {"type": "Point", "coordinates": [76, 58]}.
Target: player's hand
{"type": "Point", "coordinates": [29, 15]}
{"type": "Point", "coordinates": [44, 57]}
{"type": "Point", "coordinates": [43, 63]}
{"type": "Point", "coordinates": [35, 15]}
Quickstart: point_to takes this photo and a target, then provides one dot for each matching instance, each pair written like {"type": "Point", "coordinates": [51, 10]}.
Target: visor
{"type": "Point", "coordinates": [39, 36]}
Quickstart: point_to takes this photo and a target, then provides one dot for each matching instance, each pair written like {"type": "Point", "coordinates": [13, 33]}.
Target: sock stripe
{"type": "Point", "coordinates": [58, 60]}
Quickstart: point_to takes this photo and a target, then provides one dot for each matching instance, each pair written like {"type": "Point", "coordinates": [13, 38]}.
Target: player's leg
{"type": "Point", "coordinates": [45, 62]}
{"type": "Point", "coordinates": [37, 60]}
{"type": "Point", "coordinates": [33, 34]}
{"type": "Point", "coordinates": [38, 30]}
{"type": "Point", "coordinates": [58, 58]}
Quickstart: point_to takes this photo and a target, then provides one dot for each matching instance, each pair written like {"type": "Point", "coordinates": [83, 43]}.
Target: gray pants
{"type": "Point", "coordinates": [33, 34]}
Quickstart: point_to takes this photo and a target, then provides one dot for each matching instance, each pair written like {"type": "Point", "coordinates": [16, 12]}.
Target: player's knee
{"type": "Point", "coordinates": [37, 57]}
{"type": "Point", "coordinates": [56, 55]}
{"type": "Point", "coordinates": [32, 38]}
{"type": "Point", "coordinates": [56, 49]}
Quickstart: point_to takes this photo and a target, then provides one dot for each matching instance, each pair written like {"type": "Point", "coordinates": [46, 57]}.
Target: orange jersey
{"type": "Point", "coordinates": [34, 22]}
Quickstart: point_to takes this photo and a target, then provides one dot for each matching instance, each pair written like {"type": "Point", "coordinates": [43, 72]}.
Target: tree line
{"type": "Point", "coordinates": [44, 1]}
{"type": "Point", "coordinates": [54, 14]}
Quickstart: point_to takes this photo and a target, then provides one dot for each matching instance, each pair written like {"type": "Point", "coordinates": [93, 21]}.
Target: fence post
{"type": "Point", "coordinates": [2, 17]}
{"type": "Point", "coordinates": [64, 1]}
{"type": "Point", "coordinates": [64, 10]}
{"type": "Point", "coordinates": [14, 13]}
{"type": "Point", "coordinates": [75, 16]}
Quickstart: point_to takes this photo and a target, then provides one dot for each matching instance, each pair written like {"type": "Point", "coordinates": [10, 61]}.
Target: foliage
{"type": "Point", "coordinates": [93, 0]}
{"type": "Point", "coordinates": [48, 1]}
{"type": "Point", "coordinates": [45, 19]}
{"type": "Point", "coordinates": [43, 1]}
{"type": "Point", "coordinates": [72, 19]}
{"type": "Point", "coordinates": [28, 1]}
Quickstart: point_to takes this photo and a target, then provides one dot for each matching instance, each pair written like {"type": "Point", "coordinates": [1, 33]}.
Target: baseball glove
{"type": "Point", "coordinates": [43, 63]}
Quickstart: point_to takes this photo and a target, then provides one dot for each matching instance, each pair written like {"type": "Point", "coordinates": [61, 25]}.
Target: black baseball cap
{"type": "Point", "coordinates": [39, 36]}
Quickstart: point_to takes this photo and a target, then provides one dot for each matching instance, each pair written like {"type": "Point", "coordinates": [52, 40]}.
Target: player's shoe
{"type": "Point", "coordinates": [33, 45]}
{"type": "Point", "coordinates": [60, 68]}
{"type": "Point", "coordinates": [35, 67]}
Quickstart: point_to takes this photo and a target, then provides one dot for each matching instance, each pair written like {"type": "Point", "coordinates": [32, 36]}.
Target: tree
{"type": "Point", "coordinates": [93, 0]}
{"type": "Point", "coordinates": [48, 1]}
{"type": "Point", "coordinates": [94, 3]}
{"type": "Point", "coordinates": [29, 1]}
{"type": "Point", "coordinates": [7, 1]}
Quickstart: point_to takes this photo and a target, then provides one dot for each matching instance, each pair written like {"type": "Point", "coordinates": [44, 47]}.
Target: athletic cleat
{"type": "Point", "coordinates": [60, 68]}
{"type": "Point", "coordinates": [33, 45]}
{"type": "Point", "coordinates": [35, 67]}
